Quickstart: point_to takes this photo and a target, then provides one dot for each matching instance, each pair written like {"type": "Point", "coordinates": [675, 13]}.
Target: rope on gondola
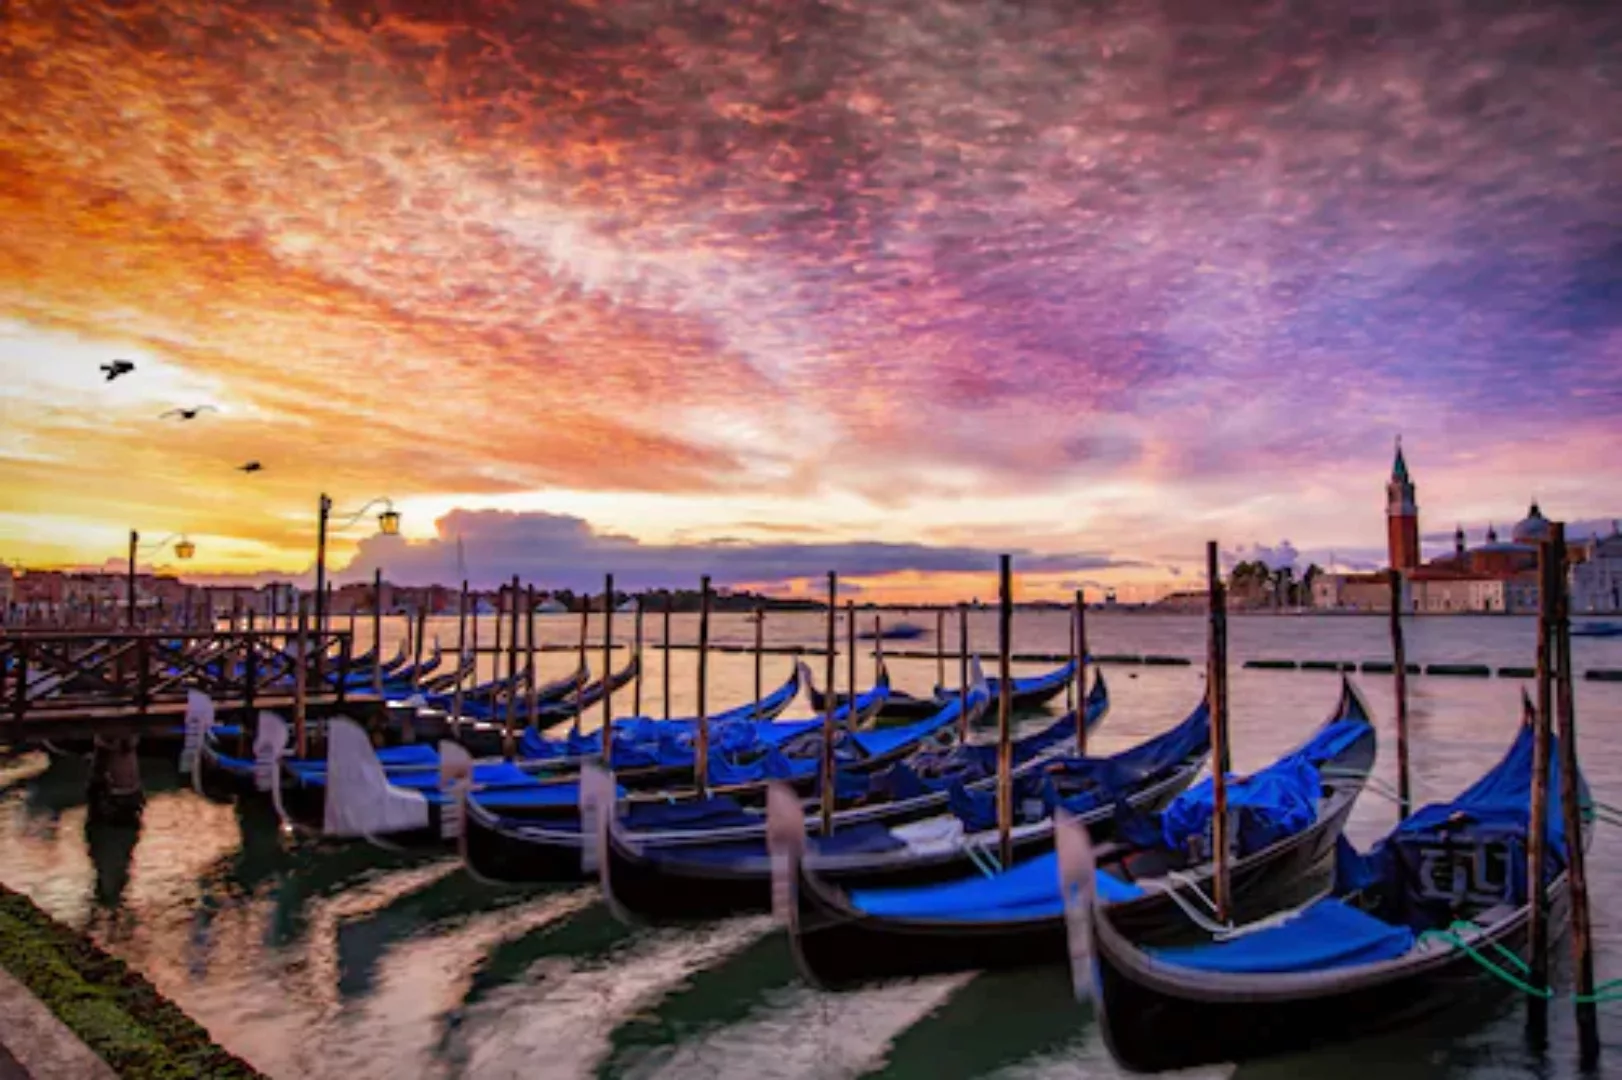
{"type": "Point", "coordinates": [1603, 993]}
{"type": "Point", "coordinates": [1453, 937]}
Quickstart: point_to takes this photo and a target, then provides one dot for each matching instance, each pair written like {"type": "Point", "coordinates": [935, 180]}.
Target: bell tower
{"type": "Point", "coordinates": [1402, 515]}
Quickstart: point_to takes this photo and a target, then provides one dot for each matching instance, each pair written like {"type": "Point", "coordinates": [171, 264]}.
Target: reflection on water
{"type": "Point", "coordinates": [328, 959]}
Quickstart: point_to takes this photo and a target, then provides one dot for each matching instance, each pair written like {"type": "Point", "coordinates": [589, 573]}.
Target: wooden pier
{"type": "Point", "coordinates": [56, 684]}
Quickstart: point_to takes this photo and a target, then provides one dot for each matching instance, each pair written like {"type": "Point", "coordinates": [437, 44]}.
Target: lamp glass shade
{"type": "Point", "coordinates": [185, 549]}
{"type": "Point", "coordinates": [388, 523]}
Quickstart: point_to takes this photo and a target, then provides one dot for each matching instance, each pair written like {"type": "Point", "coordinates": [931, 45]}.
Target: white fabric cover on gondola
{"type": "Point", "coordinates": [360, 801]}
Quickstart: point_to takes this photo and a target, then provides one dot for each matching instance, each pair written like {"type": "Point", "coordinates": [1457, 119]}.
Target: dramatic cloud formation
{"type": "Point", "coordinates": [943, 275]}
{"type": "Point", "coordinates": [565, 552]}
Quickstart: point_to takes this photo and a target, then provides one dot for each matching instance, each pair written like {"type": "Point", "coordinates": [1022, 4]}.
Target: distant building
{"type": "Point", "coordinates": [1498, 576]}
{"type": "Point", "coordinates": [1352, 592]}
{"type": "Point", "coordinates": [1596, 583]}
{"type": "Point", "coordinates": [1402, 515]}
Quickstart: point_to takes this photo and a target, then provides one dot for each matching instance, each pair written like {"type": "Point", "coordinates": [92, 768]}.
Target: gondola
{"type": "Point", "coordinates": [1029, 691]}
{"type": "Point", "coordinates": [1015, 918]}
{"type": "Point", "coordinates": [900, 705]}
{"type": "Point", "coordinates": [505, 847]}
{"type": "Point", "coordinates": [1390, 947]}
{"type": "Point", "coordinates": [570, 706]}
{"type": "Point", "coordinates": [649, 749]}
{"type": "Point", "coordinates": [656, 879]}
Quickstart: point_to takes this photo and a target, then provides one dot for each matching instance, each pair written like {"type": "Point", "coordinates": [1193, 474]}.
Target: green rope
{"type": "Point", "coordinates": [1452, 937]}
{"type": "Point", "coordinates": [1603, 993]}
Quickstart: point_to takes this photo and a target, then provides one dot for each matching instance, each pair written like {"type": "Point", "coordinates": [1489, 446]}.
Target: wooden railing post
{"type": "Point", "coordinates": [346, 647]}
{"type": "Point", "coordinates": [143, 673]}
{"type": "Point", "coordinates": [20, 700]}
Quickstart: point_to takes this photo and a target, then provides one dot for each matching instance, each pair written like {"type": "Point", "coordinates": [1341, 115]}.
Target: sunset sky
{"type": "Point", "coordinates": [764, 290]}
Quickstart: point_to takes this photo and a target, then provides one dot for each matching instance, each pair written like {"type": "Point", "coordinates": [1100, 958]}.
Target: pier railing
{"type": "Point", "coordinates": [130, 673]}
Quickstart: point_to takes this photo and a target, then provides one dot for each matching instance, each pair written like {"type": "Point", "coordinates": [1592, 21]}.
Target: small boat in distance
{"type": "Point", "coordinates": [1596, 629]}
{"type": "Point", "coordinates": [901, 631]}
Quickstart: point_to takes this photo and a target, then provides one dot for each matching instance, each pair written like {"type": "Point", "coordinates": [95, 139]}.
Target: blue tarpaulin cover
{"type": "Point", "coordinates": [1271, 804]}
{"type": "Point", "coordinates": [1029, 890]}
{"type": "Point", "coordinates": [1327, 935]}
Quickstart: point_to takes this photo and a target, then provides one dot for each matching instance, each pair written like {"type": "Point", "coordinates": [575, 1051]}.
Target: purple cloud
{"type": "Point", "coordinates": [560, 551]}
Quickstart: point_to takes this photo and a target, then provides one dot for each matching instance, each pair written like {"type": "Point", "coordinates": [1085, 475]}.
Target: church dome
{"type": "Point", "coordinates": [1533, 529]}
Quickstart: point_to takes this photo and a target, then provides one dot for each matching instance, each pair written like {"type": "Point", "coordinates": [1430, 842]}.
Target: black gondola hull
{"type": "Point", "coordinates": [836, 945]}
{"type": "Point", "coordinates": [1152, 1024]}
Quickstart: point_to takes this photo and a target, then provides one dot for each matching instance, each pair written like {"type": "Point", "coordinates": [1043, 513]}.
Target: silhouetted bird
{"type": "Point", "coordinates": [117, 368]}
{"type": "Point", "coordinates": [187, 414]}
{"type": "Point", "coordinates": [252, 466]}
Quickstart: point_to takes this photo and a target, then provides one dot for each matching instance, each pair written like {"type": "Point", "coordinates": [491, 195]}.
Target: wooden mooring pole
{"type": "Point", "coordinates": [940, 648]}
{"type": "Point", "coordinates": [1005, 711]}
{"type": "Point", "coordinates": [1537, 917]}
{"type": "Point", "coordinates": [608, 667]}
{"type": "Point", "coordinates": [461, 658]}
{"type": "Point", "coordinates": [1217, 698]}
{"type": "Point", "coordinates": [532, 700]}
{"type": "Point", "coordinates": [962, 673]}
{"type": "Point", "coordinates": [636, 657]}
{"type": "Point", "coordinates": [850, 665]}
{"type": "Point", "coordinates": [664, 644]}
{"type": "Point", "coordinates": [377, 631]}
{"type": "Point", "coordinates": [301, 675]}
{"type": "Point", "coordinates": [701, 759]}
{"type": "Point", "coordinates": [760, 645]}
{"type": "Point", "coordinates": [1081, 673]}
{"type": "Point", "coordinates": [1582, 943]}
{"type": "Point", "coordinates": [510, 714]}
{"type": "Point", "coordinates": [826, 794]}
{"type": "Point", "coordinates": [580, 687]}
{"type": "Point", "coordinates": [1399, 668]}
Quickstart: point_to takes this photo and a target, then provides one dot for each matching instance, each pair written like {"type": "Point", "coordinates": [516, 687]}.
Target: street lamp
{"type": "Point", "coordinates": [388, 524]}
{"type": "Point", "coordinates": [184, 549]}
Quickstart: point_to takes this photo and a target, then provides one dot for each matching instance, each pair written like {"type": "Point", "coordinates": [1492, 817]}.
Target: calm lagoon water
{"type": "Point", "coordinates": [341, 960]}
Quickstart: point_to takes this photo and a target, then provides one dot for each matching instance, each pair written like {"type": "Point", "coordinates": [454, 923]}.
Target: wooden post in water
{"type": "Point", "coordinates": [850, 663]}
{"type": "Point", "coordinates": [940, 647]}
{"type": "Point", "coordinates": [878, 650]}
{"type": "Point", "coordinates": [1070, 684]}
{"type": "Point", "coordinates": [962, 673]}
{"type": "Point", "coordinates": [1217, 701]}
{"type": "Point", "coordinates": [532, 696]}
{"type": "Point", "coordinates": [1582, 944]}
{"type": "Point", "coordinates": [461, 658]}
{"type": "Point", "coordinates": [421, 641]}
{"type": "Point", "coordinates": [301, 675]}
{"type": "Point", "coordinates": [1399, 668]}
{"type": "Point", "coordinates": [826, 794]}
{"type": "Point", "coordinates": [495, 660]}
{"type": "Point", "coordinates": [473, 632]}
{"type": "Point", "coordinates": [377, 632]}
{"type": "Point", "coordinates": [580, 687]}
{"type": "Point", "coordinates": [1005, 711]}
{"type": "Point", "coordinates": [701, 758]}
{"type": "Point", "coordinates": [1081, 672]}
{"type": "Point", "coordinates": [664, 645]}
{"type": "Point", "coordinates": [760, 644]}
{"type": "Point", "coordinates": [636, 650]}
{"type": "Point", "coordinates": [510, 713]}
{"type": "Point", "coordinates": [1537, 916]}
{"type": "Point", "coordinates": [608, 667]}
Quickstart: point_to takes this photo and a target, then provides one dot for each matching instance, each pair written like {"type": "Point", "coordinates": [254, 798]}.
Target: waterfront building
{"type": "Point", "coordinates": [1596, 583]}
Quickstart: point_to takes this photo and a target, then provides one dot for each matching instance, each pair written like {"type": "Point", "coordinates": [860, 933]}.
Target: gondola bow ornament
{"type": "Point", "coordinates": [785, 840]}
{"type": "Point", "coordinates": [596, 810]}
{"type": "Point", "coordinates": [455, 779]}
{"type": "Point", "coordinates": [1076, 869]}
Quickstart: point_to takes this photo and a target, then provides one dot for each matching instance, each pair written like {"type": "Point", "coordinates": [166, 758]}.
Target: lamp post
{"type": "Point", "coordinates": [184, 549]}
{"type": "Point", "coordinates": [388, 524]}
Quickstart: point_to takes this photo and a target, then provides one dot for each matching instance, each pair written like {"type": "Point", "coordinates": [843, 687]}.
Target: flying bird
{"type": "Point", "coordinates": [252, 466]}
{"type": "Point", "coordinates": [117, 368]}
{"type": "Point", "coordinates": [187, 414]}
